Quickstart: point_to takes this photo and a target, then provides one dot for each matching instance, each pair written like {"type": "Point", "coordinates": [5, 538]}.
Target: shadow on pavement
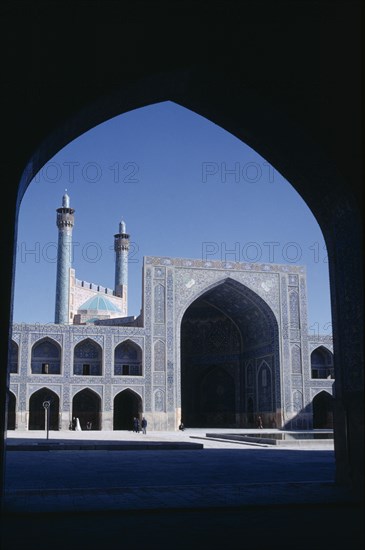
{"type": "Point", "coordinates": [334, 527]}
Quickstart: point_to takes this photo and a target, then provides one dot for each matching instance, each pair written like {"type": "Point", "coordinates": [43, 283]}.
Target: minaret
{"type": "Point", "coordinates": [121, 247]}
{"type": "Point", "coordinates": [65, 223]}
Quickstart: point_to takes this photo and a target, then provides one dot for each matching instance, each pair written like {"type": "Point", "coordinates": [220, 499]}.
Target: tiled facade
{"type": "Point", "coordinates": [141, 359]}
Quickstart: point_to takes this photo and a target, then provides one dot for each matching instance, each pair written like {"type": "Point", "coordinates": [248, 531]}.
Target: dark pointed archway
{"type": "Point", "coordinates": [86, 406]}
{"type": "Point", "coordinates": [226, 334]}
{"type": "Point", "coordinates": [46, 357]}
{"type": "Point", "coordinates": [127, 405]}
{"type": "Point", "coordinates": [128, 359]}
{"type": "Point", "coordinates": [323, 404]}
{"type": "Point", "coordinates": [14, 358]}
{"type": "Point", "coordinates": [11, 422]}
{"type": "Point", "coordinates": [322, 363]}
{"type": "Point", "coordinates": [88, 358]}
{"type": "Point", "coordinates": [37, 416]}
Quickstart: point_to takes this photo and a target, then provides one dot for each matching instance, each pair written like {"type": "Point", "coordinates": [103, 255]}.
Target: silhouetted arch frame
{"type": "Point", "coordinates": [273, 132]}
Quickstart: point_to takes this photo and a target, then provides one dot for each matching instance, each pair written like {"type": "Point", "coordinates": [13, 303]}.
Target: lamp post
{"type": "Point", "coordinates": [46, 405]}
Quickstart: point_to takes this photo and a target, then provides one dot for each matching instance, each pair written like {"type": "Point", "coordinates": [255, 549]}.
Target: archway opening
{"type": "Point", "coordinates": [14, 357]}
{"type": "Point", "coordinates": [37, 412]}
{"type": "Point", "coordinates": [128, 359]}
{"type": "Point", "coordinates": [127, 405]}
{"type": "Point", "coordinates": [322, 363]}
{"type": "Point", "coordinates": [323, 404]}
{"type": "Point", "coordinates": [11, 421]}
{"type": "Point", "coordinates": [46, 357]}
{"type": "Point", "coordinates": [88, 358]}
{"type": "Point", "coordinates": [86, 406]}
{"type": "Point", "coordinates": [229, 359]}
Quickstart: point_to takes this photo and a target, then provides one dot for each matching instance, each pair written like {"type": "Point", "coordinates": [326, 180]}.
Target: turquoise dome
{"type": "Point", "coordinates": [100, 303]}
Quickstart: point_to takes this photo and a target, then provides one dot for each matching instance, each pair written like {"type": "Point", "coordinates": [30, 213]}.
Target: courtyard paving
{"type": "Point", "coordinates": [206, 492]}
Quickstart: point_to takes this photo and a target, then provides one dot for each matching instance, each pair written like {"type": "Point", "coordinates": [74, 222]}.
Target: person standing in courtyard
{"type": "Point", "coordinates": [259, 423]}
{"type": "Point", "coordinates": [144, 425]}
{"type": "Point", "coordinates": [136, 425]}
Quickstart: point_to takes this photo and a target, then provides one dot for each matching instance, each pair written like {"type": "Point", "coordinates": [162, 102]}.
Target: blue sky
{"type": "Point", "coordinates": [185, 187]}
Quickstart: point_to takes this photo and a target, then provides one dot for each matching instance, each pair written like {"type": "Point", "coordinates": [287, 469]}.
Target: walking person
{"type": "Point", "coordinates": [144, 425]}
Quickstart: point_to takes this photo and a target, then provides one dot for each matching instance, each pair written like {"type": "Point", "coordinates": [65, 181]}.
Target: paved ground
{"type": "Point", "coordinates": [174, 498]}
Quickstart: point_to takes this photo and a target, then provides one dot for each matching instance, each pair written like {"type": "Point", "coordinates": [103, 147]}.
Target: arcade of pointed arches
{"type": "Point", "coordinates": [127, 403]}
{"type": "Point", "coordinates": [87, 405]}
{"type": "Point", "coordinates": [87, 358]}
{"type": "Point", "coordinates": [321, 358]}
{"type": "Point", "coordinates": [230, 368]}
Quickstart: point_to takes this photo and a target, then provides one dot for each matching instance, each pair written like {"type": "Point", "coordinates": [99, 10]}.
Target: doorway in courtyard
{"type": "Point", "coordinates": [323, 404]}
{"type": "Point", "coordinates": [11, 411]}
{"type": "Point", "coordinates": [229, 359]}
{"type": "Point", "coordinates": [37, 413]}
{"type": "Point", "coordinates": [86, 406]}
{"type": "Point", "coordinates": [127, 405]}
